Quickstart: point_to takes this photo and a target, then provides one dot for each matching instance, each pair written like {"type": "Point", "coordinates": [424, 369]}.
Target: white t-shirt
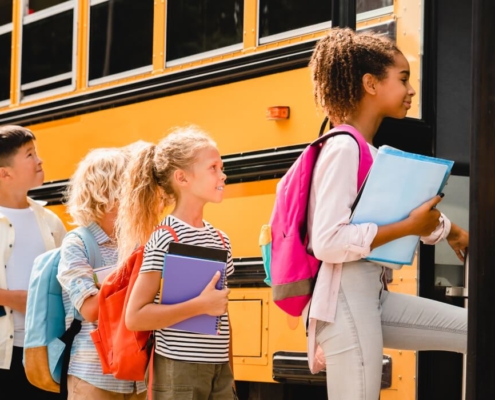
{"type": "Point", "coordinates": [28, 244]}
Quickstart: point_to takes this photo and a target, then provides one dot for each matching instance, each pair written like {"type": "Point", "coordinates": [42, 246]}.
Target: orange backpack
{"type": "Point", "coordinates": [123, 353]}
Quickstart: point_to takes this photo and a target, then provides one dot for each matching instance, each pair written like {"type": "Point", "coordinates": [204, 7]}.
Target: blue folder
{"type": "Point", "coordinates": [397, 183]}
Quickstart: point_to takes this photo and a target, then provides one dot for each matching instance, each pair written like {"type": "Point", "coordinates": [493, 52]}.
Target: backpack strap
{"type": "Point", "coordinates": [67, 338]}
{"type": "Point", "coordinates": [90, 244]}
{"type": "Point", "coordinates": [221, 238]}
{"type": "Point", "coordinates": [365, 157]}
{"type": "Point", "coordinates": [176, 238]}
{"type": "Point", "coordinates": [168, 228]}
{"type": "Point", "coordinates": [323, 126]}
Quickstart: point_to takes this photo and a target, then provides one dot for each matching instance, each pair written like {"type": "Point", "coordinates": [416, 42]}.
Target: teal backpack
{"type": "Point", "coordinates": [47, 343]}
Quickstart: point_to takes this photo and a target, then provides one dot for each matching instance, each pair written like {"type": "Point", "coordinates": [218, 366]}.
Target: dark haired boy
{"type": "Point", "coordinates": [26, 230]}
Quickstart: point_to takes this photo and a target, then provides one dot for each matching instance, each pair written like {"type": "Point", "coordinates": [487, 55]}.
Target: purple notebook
{"type": "Point", "coordinates": [184, 278]}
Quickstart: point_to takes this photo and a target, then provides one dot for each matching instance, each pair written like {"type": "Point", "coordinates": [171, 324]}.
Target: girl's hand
{"type": "Point", "coordinates": [424, 219]}
{"type": "Point", "coordinates": [458, 239]}
{"type": "Point", "coordinates": [215, 301]}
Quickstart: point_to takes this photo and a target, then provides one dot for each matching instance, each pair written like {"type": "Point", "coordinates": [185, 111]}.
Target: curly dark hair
{"type": "Point", "coordinates": [338, 64]}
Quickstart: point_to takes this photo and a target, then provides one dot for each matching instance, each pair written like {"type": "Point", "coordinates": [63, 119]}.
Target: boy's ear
{"type": "Point", "coordinates": [369, 83]}
{"type": "Point", "coordinates": [3, 173]}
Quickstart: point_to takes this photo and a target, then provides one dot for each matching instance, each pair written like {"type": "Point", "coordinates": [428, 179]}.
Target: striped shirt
{"type": "Point", "coordinates": [181, 345]}
{"type": "Point", "coordinates": [76, 278]}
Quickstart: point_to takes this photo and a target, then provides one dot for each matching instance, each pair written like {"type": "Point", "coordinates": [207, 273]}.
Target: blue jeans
{"type": "Point", "coordinates": [369, 319]}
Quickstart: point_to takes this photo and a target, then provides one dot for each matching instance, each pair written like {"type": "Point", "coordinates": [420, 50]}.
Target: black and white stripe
{"type": "Point", "coordinates": [180, 345]}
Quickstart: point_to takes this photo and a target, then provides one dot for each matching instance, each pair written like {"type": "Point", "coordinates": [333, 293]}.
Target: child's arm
{"type": "Point", "coordinates": [334, 190]}
{"type": "Point", "coordinates": [333, 238]}
{"type": "Point", "coordinates": [76, 277]}
{"type": "Point", "coordinates": [15, 299]}
{"type": "Point", "coordinates": [421, 222]}
{"type": "Point", "coordinates": [143, 314]}
{"type": "Point", "coordinates": [90, 307]}
{"type": "Point", "coordinates": [458, 239]}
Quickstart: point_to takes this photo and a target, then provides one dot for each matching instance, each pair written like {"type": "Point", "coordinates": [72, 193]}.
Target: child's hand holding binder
{"type": "Point", "coordinates": [424, 219]}
{"type": "Point", "coordinates": [215, 301]}
{"type": "Point", "coordinates": [195, 272]}
{"type": "Point", "coordinates": [401, 188]}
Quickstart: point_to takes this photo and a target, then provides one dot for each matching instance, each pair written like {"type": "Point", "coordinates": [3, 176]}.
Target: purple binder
{"type": "Point", "coordinates": [183, 279]}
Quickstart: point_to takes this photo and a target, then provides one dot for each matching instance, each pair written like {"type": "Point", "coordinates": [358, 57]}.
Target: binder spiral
{"type": "Point", "coordinates": [222, 285]}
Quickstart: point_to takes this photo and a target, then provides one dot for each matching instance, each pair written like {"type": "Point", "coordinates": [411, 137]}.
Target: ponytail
{"type": "Point", "coordinates": [140, 203]}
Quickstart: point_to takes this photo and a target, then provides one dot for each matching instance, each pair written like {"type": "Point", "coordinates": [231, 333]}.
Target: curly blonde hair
{"type": "Point", "coordinates": [147, 185]}
{"type": "Point", "coordinates": [94, 188]}
{"type": "Point", "coordinates": [338, 64]}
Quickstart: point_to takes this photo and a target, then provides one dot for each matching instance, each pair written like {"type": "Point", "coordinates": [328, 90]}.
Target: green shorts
{"type": "Point", "coordinates": [180, 380]}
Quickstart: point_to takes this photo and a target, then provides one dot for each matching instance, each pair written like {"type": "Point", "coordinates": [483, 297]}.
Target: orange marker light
{"type": "Point", "coordinates": [277, 112]}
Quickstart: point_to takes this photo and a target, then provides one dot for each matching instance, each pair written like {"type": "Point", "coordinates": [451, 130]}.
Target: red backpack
{"type": "Point", "coordinates": [290, 269]}
{"type": "Point", "coordinates": [123, 353]}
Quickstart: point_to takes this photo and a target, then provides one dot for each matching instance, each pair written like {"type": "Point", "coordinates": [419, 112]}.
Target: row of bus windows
{"type": "Point", "coordinates": [121, 34]}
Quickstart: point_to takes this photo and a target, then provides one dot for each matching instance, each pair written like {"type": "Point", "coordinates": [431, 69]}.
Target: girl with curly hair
{"type": "Point", "coordinates": [359, 79]}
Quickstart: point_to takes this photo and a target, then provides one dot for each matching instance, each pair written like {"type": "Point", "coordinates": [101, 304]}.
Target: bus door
{"type": "Point", "coordinates": [442, 131]}
{"type": "Point", "coordinates": [451, 275]}
{"type": "Point", "coordinates": [443, 374]}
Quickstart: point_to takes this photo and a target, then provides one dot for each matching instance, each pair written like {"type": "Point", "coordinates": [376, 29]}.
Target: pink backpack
{"type": "Point", "coordinates": [290, 269]}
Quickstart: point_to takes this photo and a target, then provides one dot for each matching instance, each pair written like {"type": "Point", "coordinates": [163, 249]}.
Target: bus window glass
{"type": "Point", "coordinates": [33, 6]}
{"type": "Point", "coordinates": [388, 29]}
{"type": "Point", "coordinates": [278, 16]}
{"type": "Point", "coordinates": [370, 5]}
{"type": "Point", "coordinates": [389, 18]}
{"type": "Point", "coordinates": [199, 26]}
{"type": "Point", "coordinates": [47, 52]}
{"type": "Point", "coordinates": [5, 54]}
{"type": "Point", "coordinates": [5, 12]}
{"type": "Point", "coordinates": [5, 48]}
{"type": "Point", "coordinates": [118, 43]}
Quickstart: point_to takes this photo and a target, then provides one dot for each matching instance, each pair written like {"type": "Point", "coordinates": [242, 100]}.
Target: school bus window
{"type": "Point", "coordinates": [203, 28]}
{"type": "Point", "coordinates": [48, 48]}
{"type": "Point", "coordinates": [285, 18]}
{"type": "Point", "coordinates": [5, 54]}
{"type": "Point", "coordinates": [388, 29]}
{"type": "Point", "coordinates": [5, 12]}
{"type": "Point", "coordinates": [363, 6]}
{"type": "Point", "coordinates": [5, 49]}
{"type": "Point", "coordinates": [118, 43]}
{"type": "Point", "coordinates": [33, 6]}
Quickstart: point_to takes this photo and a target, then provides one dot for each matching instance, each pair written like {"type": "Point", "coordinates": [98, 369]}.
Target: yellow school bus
{"type": "Point", "coordinates": [98, 73]}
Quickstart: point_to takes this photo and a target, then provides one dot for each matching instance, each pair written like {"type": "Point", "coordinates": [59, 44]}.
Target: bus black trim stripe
{"type": "Point", "coordinates": [221, 73]}
{"type": "Point", "coordinates": [242, 167]}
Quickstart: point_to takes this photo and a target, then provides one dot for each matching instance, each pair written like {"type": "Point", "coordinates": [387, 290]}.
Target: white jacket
{"type": "Point", "coordinates": [52, 231]}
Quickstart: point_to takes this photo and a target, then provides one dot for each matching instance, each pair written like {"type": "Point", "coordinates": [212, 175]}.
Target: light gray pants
{"type": "Point", "coordinates": [368, 319]}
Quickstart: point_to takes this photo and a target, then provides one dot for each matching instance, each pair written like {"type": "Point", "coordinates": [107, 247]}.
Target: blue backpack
{"type": "Point", "coordinates": [47, 342]}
